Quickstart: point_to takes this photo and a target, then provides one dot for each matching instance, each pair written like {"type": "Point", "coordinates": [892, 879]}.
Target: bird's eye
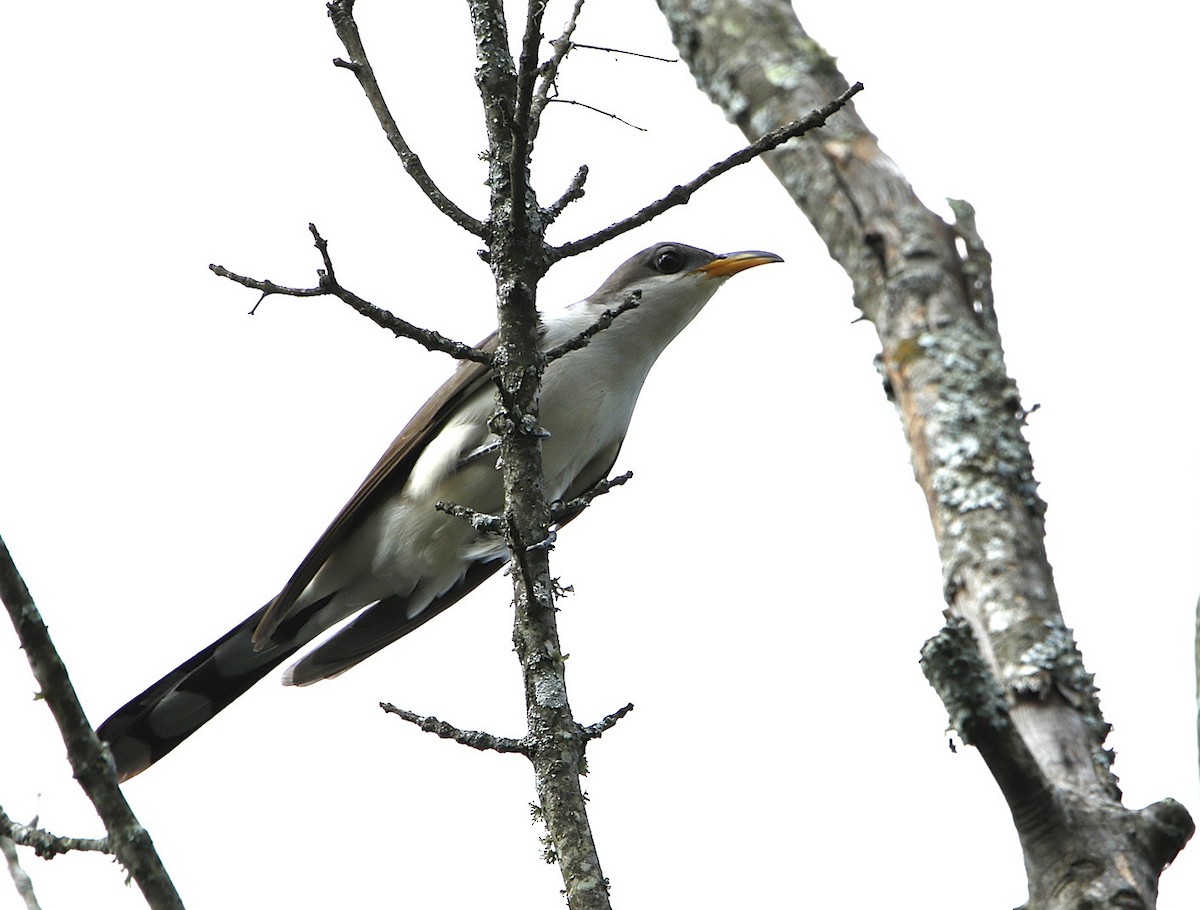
{"type": "Point", "coordinates": [669, 261]}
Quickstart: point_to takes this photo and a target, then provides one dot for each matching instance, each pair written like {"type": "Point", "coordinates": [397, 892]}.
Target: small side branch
{"type": "Point", "coordinates": [595, 110]}
{"type": "Point", "coordinates": [328, 285]}
{"type": "Point", "coordinates": [562, 512]}
{"type": "Point", "coordinates": [574, 191]}
{"type": "Point", "coordinates": [1061, 828]}
{"type": "Point", "coordinates": [45, 844]}
{"type": "Point", "coordinates": [342, 14]}
{"type": "Point", "coordinates": [484, 742]}
{"type": "Point", "coordinates": [682, 194]}
{"type": "Point", "coordinates": [596, 730]}
{"type": "Point", "coordinates": [480, 521]}
{"type": "Point", "coordinates": [549, 70]}
{"type": "Point", "coordinates": [976, 265]}
{"type": "Point", "coordinates": [979, 712]}
{"type": "Point", "coordinates": [603, 322]}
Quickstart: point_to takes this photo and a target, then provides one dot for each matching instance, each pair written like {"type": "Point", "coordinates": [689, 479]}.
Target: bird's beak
{"type": "Point", "coordinates": [731, 263]}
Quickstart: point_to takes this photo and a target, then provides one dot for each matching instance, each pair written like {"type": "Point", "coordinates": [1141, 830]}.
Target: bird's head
{"type": "Point", "coordinates": [674, 282]}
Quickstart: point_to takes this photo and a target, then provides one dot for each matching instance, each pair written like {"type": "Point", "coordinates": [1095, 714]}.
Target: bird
{"type": "Point", "coordinates": [389, 555]}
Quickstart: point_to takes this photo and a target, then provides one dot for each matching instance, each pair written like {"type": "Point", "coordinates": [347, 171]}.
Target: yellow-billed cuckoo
{"type": "Point", "coordinates": [389, 553]}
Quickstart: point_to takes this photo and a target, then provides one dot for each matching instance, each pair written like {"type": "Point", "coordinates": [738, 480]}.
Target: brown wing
{"type": "Point", "coordinates": [388, 475]}
{"type": "Point", "coordinates": [385, 622]}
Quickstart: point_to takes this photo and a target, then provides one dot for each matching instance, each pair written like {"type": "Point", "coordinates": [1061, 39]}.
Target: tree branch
{"type": "Point", "coordinates": [605, 319]}
{"type": "Point", "coordinates": [1040, 728]}
{"type": "Point", "coordinates": [549, 72]}
{"type": "Point", "coordinates": [573, 192]}
{"type": "Point", "coordinates": [341, 12]}
{"type": "Point", "coordinates": [327, 284]}
{"type": "Point", "coordinates": [683, 193]}
{"type": "Point", "coordinates": [45, 844]}
{"type": "Point", "coordinates": [89, 757]}
{"type": "Point", "coordinates": [484, 742]}
{"type": "Point", "coordinates": [519, 257]}
{"type": "Point", "coordinates": [563, 512]}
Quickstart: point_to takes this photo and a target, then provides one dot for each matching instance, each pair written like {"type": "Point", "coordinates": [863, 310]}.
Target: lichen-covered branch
{"type": "Point", "coordinates": [962, 415]}
{"type": "Point", "coordinates": [518, 258]}
{"type": "Point", "coordinates": [48, 845]}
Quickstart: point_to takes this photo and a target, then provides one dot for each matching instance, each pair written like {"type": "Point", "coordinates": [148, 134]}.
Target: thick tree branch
{"type": "Point", "coordinates": [519, 257]}
{"type": "Point", "coordinates": [962, 416]}
{"type": "Point", "coordinates": [89, 757]}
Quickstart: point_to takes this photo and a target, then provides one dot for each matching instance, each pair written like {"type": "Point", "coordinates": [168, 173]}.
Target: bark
{"type": "Point", "coordinates": [90, 761]}
{"type": "Point", "coordinates": [1006, 665]}
{"type": "Point", "coordinates": [519, 258]}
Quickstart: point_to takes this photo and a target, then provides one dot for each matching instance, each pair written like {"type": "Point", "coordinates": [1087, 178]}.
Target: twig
{"type": "Point", "coordinates": [342, 14]}
{"type": "Point", "coordinates": [45, 844]}
{"type": "Point", "coordinates": [327, 284]}
{"type": "Point", "coordinates": [617, 50]}
{"type": "Point", "coordinates": [605, 319]}
{"type": "Point", "coordinates": [574, 191]}
{"type": "Point", "coordinates": [89, 757]}
{"type": "Point", "coordinates": [549, 70]}
{"type": "Point", "coordinates": [480, 521]}
{"type": "Point", "coordinates": [681, 194]}
{"type": "Point", "coordinates": [526, 118]}
{"type": "Point", "coordinates": [597, 110]}
{"type": "Point", "coordinates": [484, 742]}
{"type": "Point", "coordinates": [596, 730]}
{"type": "Point", "coordinates": [565, 511]}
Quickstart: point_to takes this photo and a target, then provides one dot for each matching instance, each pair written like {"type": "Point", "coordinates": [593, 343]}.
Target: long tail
{"type": "Point", "coordinates": [183, 701]}
{"type": "Point", "coordinates": [179, 704]}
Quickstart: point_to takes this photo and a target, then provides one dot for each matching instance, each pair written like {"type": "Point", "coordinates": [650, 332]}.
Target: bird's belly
{"type": "Point", "coordinates": [584, 419]}
{"type": "Point", "coordinates": [407, 547]}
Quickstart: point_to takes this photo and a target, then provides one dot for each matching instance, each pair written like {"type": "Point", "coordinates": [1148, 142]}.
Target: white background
{"type": "Point", "coordinates": [165, 459]}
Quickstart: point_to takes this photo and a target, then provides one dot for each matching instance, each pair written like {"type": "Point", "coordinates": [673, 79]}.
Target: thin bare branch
{"type": "Point", "coordinates": [549, 71]}
{"type": "Point", "coordinates": [563, 512]}
{"type": "Point", "coordinates": [89, 757]}
{"type": "Point", "coordinates": [525, 123]}
{"type": "Point", "coordinates": [617, 50]}
{"type": "Point", "coordinates": [682, 194]}
{"type": "Point", "coordinates": [574, 191]}
{"type": "Point", "coordinates": [605, 319]}
{"type": "Point", "coordinates": [484, 742]}
{"type": "Point", "coordinates": [557, 100]}
{"type": "Point", "coordinates": [327, 285]}
{"type": "Point", "coordinates": [480, 521]}
{"type": "Point", "coordinates": [342, 14]}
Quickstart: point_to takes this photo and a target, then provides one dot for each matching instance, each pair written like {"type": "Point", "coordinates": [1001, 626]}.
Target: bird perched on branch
{"type": "Point", "coordinates": [394, 559]}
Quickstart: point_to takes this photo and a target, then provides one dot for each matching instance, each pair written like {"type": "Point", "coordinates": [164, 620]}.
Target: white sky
{"type": "Point", "coordinates": [167, 459]}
